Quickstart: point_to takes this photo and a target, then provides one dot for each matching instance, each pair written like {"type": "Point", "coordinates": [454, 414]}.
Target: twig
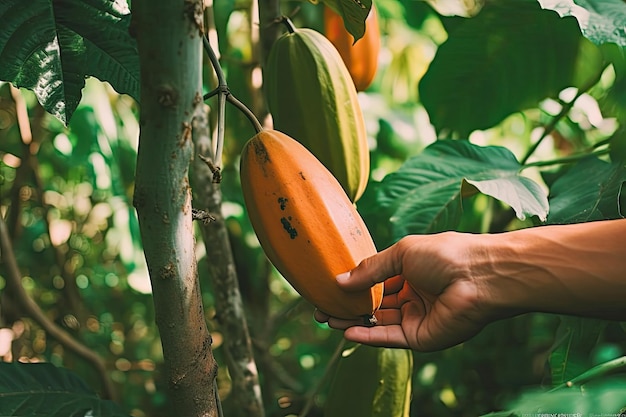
{"type": "Point", "coordinates": [271, 365]}
{"type": "Point", "coordinates": [566, 159]}
{"type": "Point", "coordinates": [237, 342]}
{"type": "Point", "coordinates": [607, 368]}
{"type": "Point", "coordinates": [30, 163]}
{"type": "Point", "coordinates": [204, 216]}
{"type": "Point", "coordinates": [14, 278]}
{"type": "Point", "coordinates": [223, 95]}
{"type": "Point", "coordinates": [564, 110]}
{"type": "Point", "coordinates": [316, 389]}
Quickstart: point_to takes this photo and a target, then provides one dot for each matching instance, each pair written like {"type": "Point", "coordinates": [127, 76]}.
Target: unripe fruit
{"type": "Point", "coordinates": [312, 99]}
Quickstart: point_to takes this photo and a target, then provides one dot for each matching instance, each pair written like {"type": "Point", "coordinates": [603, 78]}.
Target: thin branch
{"type": "Point", "coordinates": [603, 369]}
{"type": "Point", "coordinates": [223, 95]}
{"type": "Point", "coordinates": [30, 164]}
{"type": "Point", "coordinates": [330, 366]}
{"type": "Point", "coordinates": [549, 128]}
{"type": "Point", "coordinates": [14, 279]}
{"type": "Point", "coordinates": [228, 303]}
{"type": "Point", "coordinates": [275, 368]}
{"type": "Point", "coordinates": [246, 111]}
{"type": "Point", "coordinates": [566, 159]}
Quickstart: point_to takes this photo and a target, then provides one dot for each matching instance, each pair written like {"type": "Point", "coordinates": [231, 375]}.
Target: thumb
{"type": "Point", "coordinates": [370, 271]}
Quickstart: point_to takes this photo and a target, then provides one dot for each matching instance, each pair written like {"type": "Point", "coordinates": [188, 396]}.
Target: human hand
{"type": "Point", "coordinates": [433, 296]}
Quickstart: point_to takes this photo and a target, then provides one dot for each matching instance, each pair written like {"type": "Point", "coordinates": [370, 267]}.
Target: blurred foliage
{"type": "Point", "coordinates": [43, 389]}
{"type": "Point", "coordinates": [503, 84]}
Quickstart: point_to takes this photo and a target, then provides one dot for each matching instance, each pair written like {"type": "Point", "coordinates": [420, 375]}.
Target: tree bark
{"type": "Point", "coordinates": [169, 39]}
{"type": "Point", "coordinates": [246, 391]}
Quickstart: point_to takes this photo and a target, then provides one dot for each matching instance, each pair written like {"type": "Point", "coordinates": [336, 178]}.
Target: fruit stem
{"type": "Point", "coordinates": [224, 95]}
{"type": "Point", "coordinates": [291, 28]}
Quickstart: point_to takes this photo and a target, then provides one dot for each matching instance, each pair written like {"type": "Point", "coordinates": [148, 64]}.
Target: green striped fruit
{"type": "Point", "coordinates": [371, 382]}
{"type": "Point", "coordinates": [312, 98]}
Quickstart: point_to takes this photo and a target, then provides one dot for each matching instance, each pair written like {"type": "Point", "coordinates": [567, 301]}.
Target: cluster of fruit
{"type": "Point", "coordinates": [302, 178]}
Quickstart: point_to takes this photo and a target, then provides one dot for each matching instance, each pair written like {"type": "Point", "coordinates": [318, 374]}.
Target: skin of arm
{"type": "Point", "coordinates": [442, 289]}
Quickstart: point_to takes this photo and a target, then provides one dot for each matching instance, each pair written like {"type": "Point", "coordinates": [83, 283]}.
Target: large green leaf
{"type": "Point", "coordinates": [508, 58]}
{"type": "Point", "coordinates": [51, 46]}
{"type": "Point", "coordinates": [576, 337]}
{"type": "Point", "coordinates": [353, 12]}
{"type": "Point", "coordinates": [601, 21]}
{"type": "Point", "coordinates": [605, 398]}
{"type": "Point", "coordinates": [424, 195]}
{"type": "Point", "coordinates": [41, 389]}
{"type": "Point", "coordinates": [588, 191]}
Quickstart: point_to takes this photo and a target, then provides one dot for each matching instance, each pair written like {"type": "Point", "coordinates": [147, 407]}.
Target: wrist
{"type": "Point", "coordinates": [503, 291]}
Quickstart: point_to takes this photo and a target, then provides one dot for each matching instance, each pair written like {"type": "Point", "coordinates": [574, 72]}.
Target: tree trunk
{"type": "Point", "coordinates": [246, 391]}
{"type": "Point", "coordinates": [170, 53]}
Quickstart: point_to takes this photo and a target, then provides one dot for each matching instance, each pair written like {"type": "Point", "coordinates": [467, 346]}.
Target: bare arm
{"type": "Point", "coordinates": [575, 269]}
{"type": "Point", "coordinates": [442, 289]}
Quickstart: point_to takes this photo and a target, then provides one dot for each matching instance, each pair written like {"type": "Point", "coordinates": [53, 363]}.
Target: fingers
{"type": "Point", "coordinates": [320, 316]}
{"type": "Point", "coordinates": [387, 332]}
{"type": "Point", "coordinates": [396, 294]}
{"type": "Point", "coordinates": [387, 336]}
{"type": "Point", "coordinates": [384, 317]}
{"type": "Point", "coordinates": [394, 284]}
{"type": "Point", "coordinates": [372, 270]}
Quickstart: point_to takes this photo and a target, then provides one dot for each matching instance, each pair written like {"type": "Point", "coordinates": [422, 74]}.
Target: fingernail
{"type": "Point", "coordinates": [343, 277]}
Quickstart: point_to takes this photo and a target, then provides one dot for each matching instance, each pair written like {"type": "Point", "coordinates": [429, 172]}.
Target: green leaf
{"type": "Point", "coordinates": [371, 382]}
{"type": "Point", "coordinates": [576, 337]}
{"type": "Point", "coordinates": [424, 195]}
{"type": "Point", "coordinates": [508, 58]}
{"type": "Point", "coordinates": [602, 399]}
{"type": "Point", "coordinates": [354, 13]}
{"type": "Point", "coordinates": [50, 47]}
{"type": "Point", "coordinates": [588, 191]}
{"type": "Point", "coordinates": [600, 21]}
{"type": "Point", "coordinates": [41, 389]}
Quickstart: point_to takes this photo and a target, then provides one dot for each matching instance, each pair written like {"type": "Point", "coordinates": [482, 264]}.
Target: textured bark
{"type": "Point", "coordinates": [246, 391]}
{"type": "Point", "coordinates": [170, 53]}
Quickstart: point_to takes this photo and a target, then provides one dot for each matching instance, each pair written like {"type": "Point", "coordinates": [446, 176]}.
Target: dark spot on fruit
{"type": "Point", "coordinates": [282, 201]}
{"type": "Point", "coordinates": [302, 175]}
{"type": "Point", "coordinates": [260, 151]}
{"type": "Point", "coordinates": [288, 227]}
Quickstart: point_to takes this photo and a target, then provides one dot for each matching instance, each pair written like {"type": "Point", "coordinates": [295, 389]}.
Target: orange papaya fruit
{"type": "Point", "coordinates": [307, 226]}
{"type": "Point", "coordinates": [360, 57]}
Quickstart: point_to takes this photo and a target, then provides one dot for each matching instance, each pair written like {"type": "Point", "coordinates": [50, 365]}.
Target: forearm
{"type": "Point", "coordinates": [571, 269]}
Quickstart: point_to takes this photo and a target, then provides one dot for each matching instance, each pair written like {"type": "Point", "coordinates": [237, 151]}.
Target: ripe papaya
{"type": "Point", "coordinates": [361, 58]}
{"type": "Point", "coordinates": [312, 98]}
{"type": "Point", "coordinates": [305, 223]}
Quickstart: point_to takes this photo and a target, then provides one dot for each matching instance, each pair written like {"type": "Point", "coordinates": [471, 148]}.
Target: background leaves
{"type": "Point", "coordinates": [68, 193]}
{"type": "Point", "coordinates": [51, 46]}
{"type": "Point", "coordinates": [507, 58]}
{"type": "Point", "coordinates": [424, 195]}
{"type": "Point", "coordinates": [601, 21]}
{"type": "Point", "coordinates": [41, 389]}
{"type": "Point", "coordinates": [588, 191]}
